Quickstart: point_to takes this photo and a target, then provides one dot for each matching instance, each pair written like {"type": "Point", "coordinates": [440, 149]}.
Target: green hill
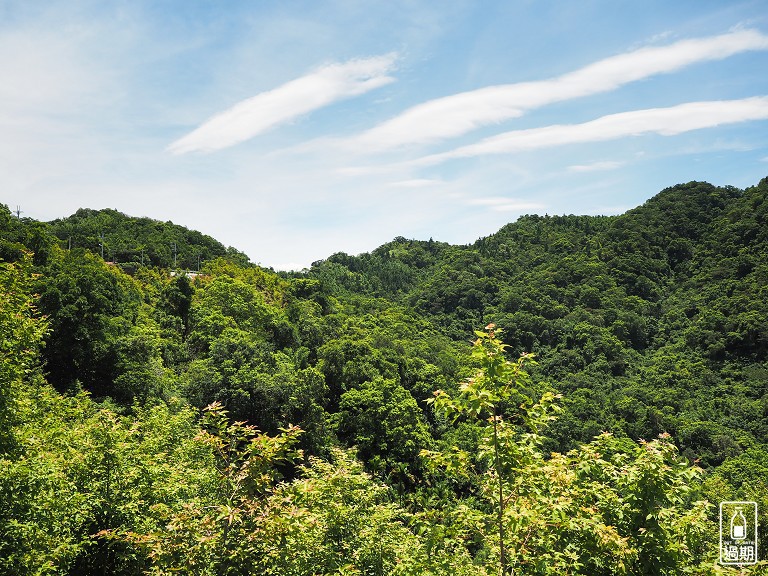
{"type": "Point", "coordinates": [138, 241]}
{"type": "Point", "coordinates": [349, 419]}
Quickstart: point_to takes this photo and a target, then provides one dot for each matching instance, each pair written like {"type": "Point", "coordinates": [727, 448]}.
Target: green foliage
{"type": "Point", "coordinates": [91, 308]}
{"type": "Point", "coordinates": [488, 395]}
{"type": "Point", "coordinates": [217, 535]}
{"type": "Point", "coordinates": [385, 423]}
{"type": "Point", "coordinates": [176, 300]}
{"type": "Point", "coordinates": [83, 472]}
{"type": "Point", "coordinates": [651, 324]}
{"type": "Point", "coordinates": [348, 527]}
{"type": "Point", "coordinates": [225, 301]}
{"type": "Point", "coordinates": [600, 509]}
{"type": "Point", "coordinates": [21, 334]}
{"type": "Point", "coordinates": [135, 242]}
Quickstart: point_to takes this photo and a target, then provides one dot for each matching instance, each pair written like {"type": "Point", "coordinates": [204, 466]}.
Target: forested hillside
{"type": "Point", "coordinates": [569, 395]}
{"type": "Point", "coordinates": [133, 242]}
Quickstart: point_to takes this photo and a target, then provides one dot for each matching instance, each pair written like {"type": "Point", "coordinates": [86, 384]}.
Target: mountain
{"type": "Point", "coordinates": [138, 241]}
{"type": "Point", "coordinates": [649, 319]}
{"type": "Point", "coordinates": [397, 392]}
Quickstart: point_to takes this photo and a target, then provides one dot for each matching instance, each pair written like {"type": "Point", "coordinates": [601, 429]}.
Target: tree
{"type": "Point", "coordinates": [176, 300]}
{"type": "Point", "coordinates": [221, 533]}
{"type": "Point", "coordinates": [486, 396]}
{"type": "Point", "coordinates": [384, 421]}
{"type": "Point", "coordinates": [21, 336]}
{"type": "Point", "coordinates": [91, 306]}
{"type": "Point", "coordinates": [608, 507]}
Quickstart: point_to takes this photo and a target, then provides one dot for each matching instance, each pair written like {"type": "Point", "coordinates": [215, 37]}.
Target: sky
{"type": "Point", "coordinates": [294, 130]}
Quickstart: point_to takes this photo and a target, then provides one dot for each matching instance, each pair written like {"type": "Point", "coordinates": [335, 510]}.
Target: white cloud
{"type": "Point", "coordinates": [365, 170]}
{"type": "Point", "coordinates": [460, 113]}
{"type": "Point", "coordinates": [258, 114]}
{"type": "Point", "coordinates": [416, 183]}
{"type": "Point", "coordinates": [501, 204]}
{"type": "Point", "coordinates": [596, 166]}
{"type": "Point", "coordinates": [663, 121]}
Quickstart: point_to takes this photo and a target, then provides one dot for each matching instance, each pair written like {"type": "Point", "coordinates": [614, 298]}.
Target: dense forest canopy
{"type": "Point", "coordinates": [138, 241]}
{"type": "Point", "coordinates": [569, 395]}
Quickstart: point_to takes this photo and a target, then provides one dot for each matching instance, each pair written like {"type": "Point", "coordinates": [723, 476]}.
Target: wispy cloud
{"type": "Point", "coordinates": [416, 183]}
{"type": "Point", "coordinates": [596, 166]}
{"type": "Point", "coordinates": [501, 204]}
{"type": "Point", "coordinates": [663, 121]}
{"type": "Point", "coordinates": [460, 113]}
{"type": "Point", "coordinates": [258, 114]}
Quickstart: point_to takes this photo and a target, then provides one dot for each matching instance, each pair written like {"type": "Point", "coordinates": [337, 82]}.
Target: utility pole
{"type": "Point", "coordinates": [101, 243]}
{"type": "Point", "coordinates": [174, 254]}
{"type": "Point", "coordinates": [18, 211]}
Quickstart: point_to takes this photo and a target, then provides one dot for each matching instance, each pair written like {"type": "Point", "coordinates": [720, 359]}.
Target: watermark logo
{"type": "Point", "coordinates": [738, 533]}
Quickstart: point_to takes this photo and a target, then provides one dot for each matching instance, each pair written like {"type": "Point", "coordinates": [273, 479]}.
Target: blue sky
{"type": "Point", "coordinates": [293, 130]}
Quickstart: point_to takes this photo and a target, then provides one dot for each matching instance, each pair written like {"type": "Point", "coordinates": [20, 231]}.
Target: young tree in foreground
{"type": "Point", "coordinates": [486, 396]}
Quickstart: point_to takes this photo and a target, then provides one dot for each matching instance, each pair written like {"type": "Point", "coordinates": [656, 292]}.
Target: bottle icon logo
{"type": "Point", "coordinates": [738, 533]}
{"type": "Point", "coordinates": [738, 525]}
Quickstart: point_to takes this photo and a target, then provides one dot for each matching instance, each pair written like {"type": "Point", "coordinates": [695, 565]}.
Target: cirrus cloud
{"type": "Point", "coordinates": [596, 166]}
{"type": "Point", "coordinates": [461, 113]}
{"type": "Point", "coordinates": [663, 121]}
{"type": "Point", "coordinates": [258, 114]}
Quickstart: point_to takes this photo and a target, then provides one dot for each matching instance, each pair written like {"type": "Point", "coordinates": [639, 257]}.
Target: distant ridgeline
{"type": "Point", "coordinates": [131, 242]}
{"type": "Point", "coordinates": [641, 319]}
{"type": "Point", "coordinates": [652, 313]}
